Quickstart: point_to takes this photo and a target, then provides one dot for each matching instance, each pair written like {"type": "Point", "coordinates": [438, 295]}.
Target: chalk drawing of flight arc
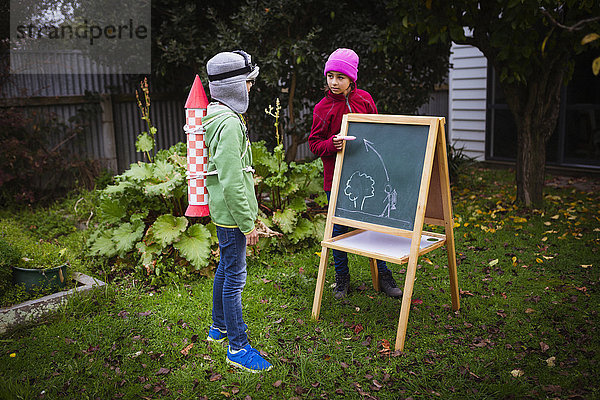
{"type": "Point", "coordinates": [369, 145]}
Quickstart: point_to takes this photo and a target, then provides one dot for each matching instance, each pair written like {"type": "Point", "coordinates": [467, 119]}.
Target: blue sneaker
{"type": "Point", "coordinates": [248, 359]}
{"type": "Point", "coordinates": [218, 335]}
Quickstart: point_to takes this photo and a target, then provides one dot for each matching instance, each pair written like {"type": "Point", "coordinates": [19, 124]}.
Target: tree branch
{"type": "Point", "coordinates": [578, 26]}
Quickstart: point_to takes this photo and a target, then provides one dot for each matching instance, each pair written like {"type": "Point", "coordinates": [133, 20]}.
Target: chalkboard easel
{"type": "Point", "coordinates": [387, 183]}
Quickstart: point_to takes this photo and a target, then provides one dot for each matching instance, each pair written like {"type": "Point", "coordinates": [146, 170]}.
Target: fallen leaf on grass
{"type": "Point", "coordinates": [585, 266]}
{"type": "Point", "coordinates": [277, 383]}
{"type": "Point", "coordinates": [376, 386]}
{"type": "Point", "coordinates": [478, 342]}
{"type": "Point", "coordinates": [163, 371]}
{"type": "Point", "coordinates": [185, 351]}
{"type": "Point", "coordinates": [529, 311]}
{"type": "Point", "coordinates": [417, 301]}
{"type": "Point", "coordinates": [517, 373]}
{"type": "Point", "coordinates": [385, 346]}
{"type": "Point", "coordinates": [551, 361]}
{"type": "Point", "coordinates": [493, 262]}
{"type": "Point", "coordinates": [137, 354]}
{"type": "Point", "coordinates": [544, 347]}
{"type": "Point", "coordinates": [215, 377]}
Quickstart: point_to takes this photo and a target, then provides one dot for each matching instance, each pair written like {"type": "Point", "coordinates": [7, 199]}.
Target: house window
{"type": "Point", "coordinates": [576, 139]}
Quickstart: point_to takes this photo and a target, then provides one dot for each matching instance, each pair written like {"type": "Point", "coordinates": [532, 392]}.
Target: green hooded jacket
{"type": "Point", "coordinates": [231, 197]}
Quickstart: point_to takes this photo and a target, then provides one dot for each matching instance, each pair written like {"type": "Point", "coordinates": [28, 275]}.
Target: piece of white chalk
{"type": "Point", "coordinates": [348, 137]}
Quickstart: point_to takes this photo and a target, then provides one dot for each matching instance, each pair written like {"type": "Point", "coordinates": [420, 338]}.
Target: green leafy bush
{"type": "Point", "coordinates": [141, 214]}
{"type": "Point", "coordinates": [140, 218]}
{"type": "Point", "coordinates": [141, 221]}
{"type": "Point", "coordinates": [290, 195]}
{"type": "Point", "coordinates": [291, 198]}
{"type": "Point", "coordinates": [457, 162]}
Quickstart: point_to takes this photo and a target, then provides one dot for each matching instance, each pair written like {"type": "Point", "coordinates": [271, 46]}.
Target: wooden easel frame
{"type": "Point", "coordinates": [434, 207]}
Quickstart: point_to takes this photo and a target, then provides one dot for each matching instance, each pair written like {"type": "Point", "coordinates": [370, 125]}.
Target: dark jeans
{"type": "Point", "coordinates": [230, 279]}
{"type": "Point", "coordinates": [340, 258]}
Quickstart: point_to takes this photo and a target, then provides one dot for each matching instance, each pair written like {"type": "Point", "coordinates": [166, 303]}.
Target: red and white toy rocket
{"type": "Point", "coordinates": [197, 152]}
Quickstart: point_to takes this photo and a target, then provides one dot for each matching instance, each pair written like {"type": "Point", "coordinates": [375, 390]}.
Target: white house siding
{"type": "Point", "coordinates": [467, 100]}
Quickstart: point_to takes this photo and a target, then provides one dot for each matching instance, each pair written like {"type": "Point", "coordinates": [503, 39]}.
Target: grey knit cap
{"type": "Point", "coordinates": [227, 75]}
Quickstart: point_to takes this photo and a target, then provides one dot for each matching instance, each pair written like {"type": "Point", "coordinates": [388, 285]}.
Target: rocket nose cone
{"type": "Point", "coordinates": [197, 97]}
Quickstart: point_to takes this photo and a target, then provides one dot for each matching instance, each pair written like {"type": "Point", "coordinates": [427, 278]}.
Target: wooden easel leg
{"type": "Point", "coordinates": [452, 270]}
{"type": "Point", "coordinates": [406, 300]}
{"type": "Point", "coordinates": [447, 211]}
{"type": "Point", "coordinates": [316, 309]}
{"type": "Point", "coordinates": [374, 273]}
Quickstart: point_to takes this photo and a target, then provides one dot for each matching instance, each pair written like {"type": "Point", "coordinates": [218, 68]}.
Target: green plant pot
{"type": "Point", "coordinates": [36, 279]}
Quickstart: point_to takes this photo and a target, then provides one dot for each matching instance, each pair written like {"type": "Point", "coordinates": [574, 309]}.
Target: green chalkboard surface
{"type": "Point", "coordinates": [381, 173]}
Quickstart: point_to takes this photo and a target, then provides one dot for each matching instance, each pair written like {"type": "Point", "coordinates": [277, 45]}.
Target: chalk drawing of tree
{"type": "Point", "coordinates": [359, 187]}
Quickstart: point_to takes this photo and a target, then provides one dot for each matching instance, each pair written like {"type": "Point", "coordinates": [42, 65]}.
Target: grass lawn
{"type": "Point", "coordinates": [527, 326]}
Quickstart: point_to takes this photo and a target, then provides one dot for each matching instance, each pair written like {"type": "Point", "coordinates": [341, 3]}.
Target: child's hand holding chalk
{"type": "Point", "coordinates": [338, 141]}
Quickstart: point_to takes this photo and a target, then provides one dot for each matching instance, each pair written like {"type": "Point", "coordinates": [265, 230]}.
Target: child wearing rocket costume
{"type": "Point", "coordinates": [232, 201]}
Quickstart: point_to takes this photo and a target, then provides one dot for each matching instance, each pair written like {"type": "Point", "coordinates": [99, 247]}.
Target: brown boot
{"type": "Point", "coordinates": [387, 284]}
{"type": "Point", "coordinates": [342, 283]}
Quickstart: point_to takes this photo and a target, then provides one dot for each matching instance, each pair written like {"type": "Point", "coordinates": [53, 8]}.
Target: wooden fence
{"type": "Point", "coordinates": [110, 132]}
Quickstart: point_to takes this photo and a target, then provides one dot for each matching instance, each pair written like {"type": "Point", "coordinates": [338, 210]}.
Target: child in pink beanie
{"type": "Point", "coordinates": [342, 97]}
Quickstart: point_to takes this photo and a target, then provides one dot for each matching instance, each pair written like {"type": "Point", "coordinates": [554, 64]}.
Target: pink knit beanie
{"type": "Point", "coordinates": [344, 61]}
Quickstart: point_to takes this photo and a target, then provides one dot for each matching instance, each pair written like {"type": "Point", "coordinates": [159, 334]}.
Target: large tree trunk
{"type": "Point", "coordinates": [531, 161]}
{"type": "Point", "coordinates": [535, 108]}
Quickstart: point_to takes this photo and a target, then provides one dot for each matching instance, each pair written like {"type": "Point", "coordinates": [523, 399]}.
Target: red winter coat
{"type": "Point", "coordinates": [327, 121]}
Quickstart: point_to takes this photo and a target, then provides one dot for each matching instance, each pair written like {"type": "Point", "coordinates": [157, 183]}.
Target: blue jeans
{"type": "Point", "coordinates": [340, 258]}
{"type": "Point", "coordinates": [230, 279]}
